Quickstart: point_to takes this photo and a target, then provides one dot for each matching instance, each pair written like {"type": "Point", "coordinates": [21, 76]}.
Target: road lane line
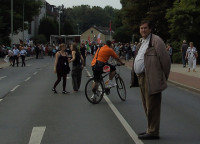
{"type": "Point", "coordinates": [36, 135]}
{"type": "Point", "coordinates": [15, 88]}
{"type": "Point", "coordinates": [1, 100]}
{"type": "Point", "coordinates": [35, 73]}
{"type": "Point", "coordinates": [2, 77]}
{"type": "Point", "coordinates": [27, 79]}
{"type": "Point", "coordinates": [125, 124]}
{"type": "Point", "coordinates": [88, 73]}
{"type": "Point", "coordinates": [127, 127]}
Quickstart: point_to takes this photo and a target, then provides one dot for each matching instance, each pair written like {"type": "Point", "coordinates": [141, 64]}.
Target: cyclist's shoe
{"type": "Point", "coordinates": [110, 84]}
{"type": "Point", "coordinates": [94, 97]}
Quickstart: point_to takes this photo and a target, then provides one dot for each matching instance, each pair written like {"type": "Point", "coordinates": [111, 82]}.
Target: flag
{"type": "Point", "coordinates": [110, 29]}
{"type": "Point", "coordinates": [99, 38]}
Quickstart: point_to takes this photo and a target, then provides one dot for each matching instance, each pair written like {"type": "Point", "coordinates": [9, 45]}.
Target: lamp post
{"type": "Point", "coordinates": [11, 23]}
{"type": "Point", "coordinates": [78, 28]}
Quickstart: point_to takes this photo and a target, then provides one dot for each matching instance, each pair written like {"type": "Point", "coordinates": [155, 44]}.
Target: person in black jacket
{"type": "Point", "coordinates": [77, 66]}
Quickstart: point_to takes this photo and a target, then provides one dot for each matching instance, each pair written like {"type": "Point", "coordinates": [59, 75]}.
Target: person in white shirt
{"type": "Point", "coordinates": [191, 55]}
{"type": "Point", "coordinates": [23, 55]}
{"type": "Point", "coordinates": [15, 56]}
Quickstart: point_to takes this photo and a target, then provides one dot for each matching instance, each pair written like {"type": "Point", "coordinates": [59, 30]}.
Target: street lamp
{"type": "Point", "coordinates": [78, 28]}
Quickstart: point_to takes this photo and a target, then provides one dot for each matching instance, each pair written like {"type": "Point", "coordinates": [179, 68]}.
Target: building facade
{"type": "Point", "coordinates": [97, 35]}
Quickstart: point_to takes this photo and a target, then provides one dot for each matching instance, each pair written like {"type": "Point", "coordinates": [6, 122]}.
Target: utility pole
{"type": "Point", "coordinates": [23, 23]}
{"type": "Point", "coordinates": [11, 23]}
{"type": "Point", "coordinates": [59, 22]}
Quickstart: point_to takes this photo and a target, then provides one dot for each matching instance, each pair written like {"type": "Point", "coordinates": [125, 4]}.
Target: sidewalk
{"type": "Point", "coordinates": [180, 76]}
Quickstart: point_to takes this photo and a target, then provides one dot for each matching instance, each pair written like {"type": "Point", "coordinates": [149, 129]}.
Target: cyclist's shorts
{"type": "Point", "coordinates": [97, 74]}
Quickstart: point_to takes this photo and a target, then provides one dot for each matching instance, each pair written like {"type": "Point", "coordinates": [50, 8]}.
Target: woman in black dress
{"type": "Point", "coordinates": [61, 67]}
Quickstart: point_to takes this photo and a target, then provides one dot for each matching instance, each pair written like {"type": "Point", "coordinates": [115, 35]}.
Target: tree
{"type": "Point", "coordinates": [123, 34]}
{"type": "Point", "coordinates": [31, 9]}
{"type": "Point", "coordinates": [134, 11]}
{"type": "Point", "coordinates": [184, 19]}
{"type": "Point", "coordinates": [48, 27]}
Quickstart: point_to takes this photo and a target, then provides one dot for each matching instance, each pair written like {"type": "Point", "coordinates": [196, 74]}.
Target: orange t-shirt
{"type": "Point", "coordinates": [104, 55]}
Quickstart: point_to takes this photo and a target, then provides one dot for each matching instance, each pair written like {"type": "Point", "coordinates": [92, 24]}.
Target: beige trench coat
{"type": "Point", "coordinates": [157, 65]}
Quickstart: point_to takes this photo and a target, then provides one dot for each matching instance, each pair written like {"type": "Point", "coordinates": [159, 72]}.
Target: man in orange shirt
{"type": "Point", "coordinates": [102, 56]}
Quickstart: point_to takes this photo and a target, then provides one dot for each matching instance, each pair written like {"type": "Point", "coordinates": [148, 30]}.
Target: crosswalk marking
{"type": "Point", "coordinates": [37, 135]}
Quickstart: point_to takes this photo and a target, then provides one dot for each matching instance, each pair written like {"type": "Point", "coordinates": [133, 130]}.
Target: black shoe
{"type": "Point", "coordinates": [141, 133]}
{"type": "Point", "coordinates": [54, 90]}
{"type": "Point", "coordinates": [65, 92]}
{"type": "Point", "coordinates": [148, 137]}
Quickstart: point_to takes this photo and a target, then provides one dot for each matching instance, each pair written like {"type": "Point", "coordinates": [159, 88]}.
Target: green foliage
{"type": "Point", "coordinates": [184, 21]}
{"type": "Point", "coordinates": [134, 11]}
{"type": "Point", "coordinates": [40, 39]}
{"type": "Point", "coordinates": [123, 34]}
{"type": "Point", "coordinates": [31, 9]}
{"type": "Point", "coordinates": [177, 58]}
{"type": "Point", "coordinates": [86, 17]}
{"type": "Point", "coordinates": [48, 27]}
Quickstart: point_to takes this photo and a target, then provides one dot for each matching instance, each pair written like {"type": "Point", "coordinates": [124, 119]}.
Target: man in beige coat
{"type": "Point", "coordinates": [152, 67]}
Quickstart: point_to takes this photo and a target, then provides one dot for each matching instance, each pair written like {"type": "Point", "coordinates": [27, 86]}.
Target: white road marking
{"type": "Point", "coordinates": [27, 79]}
{"type": "Point", "coordinates": [88, 73]}
{"type": "Point", "coordinates": [1, 100]}
{"type": "Point", "coordinates": [68, 77]}
{"type": "Point", "coordinates": [128, 128]}
{"type": "Point", "coordinates": [125, 124]}
{"type": "Point", "coordinates": [2, 77]}
{"type": "Point", "coordinates": [35, 73]}
{"type": "Point", "coordinates": [15, 88]}
{"type": "Point", "coordinates": [36, 135]}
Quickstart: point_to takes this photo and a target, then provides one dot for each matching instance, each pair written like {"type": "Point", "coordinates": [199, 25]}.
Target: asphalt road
{"type": "Point", "coordinates": [30, 113]}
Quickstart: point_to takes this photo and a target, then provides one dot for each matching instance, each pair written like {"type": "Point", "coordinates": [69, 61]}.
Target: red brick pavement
{"type": "Point", "coordinates": [183, 80]}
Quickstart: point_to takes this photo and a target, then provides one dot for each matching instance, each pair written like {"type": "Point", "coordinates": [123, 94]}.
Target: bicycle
{"type": "Point", "coordinates": [94, 94]}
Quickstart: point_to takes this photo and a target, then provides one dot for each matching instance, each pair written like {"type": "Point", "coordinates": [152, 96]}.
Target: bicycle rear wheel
{"type": "Point", "coordinates": [94, 94]}
{"type": "Point", "coordinates": [121, 89]}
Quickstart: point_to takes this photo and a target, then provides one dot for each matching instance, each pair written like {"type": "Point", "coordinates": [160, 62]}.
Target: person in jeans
{"type": "Point", "coordinates": [61, 67]}
{"type": "Point", "coordinates": [77, 67]}
{"type": "Point", "coordinates": [183, 51]}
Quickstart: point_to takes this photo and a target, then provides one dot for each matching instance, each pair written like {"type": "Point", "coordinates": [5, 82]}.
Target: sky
{"type": "Point", "coordinates": [102, 3]}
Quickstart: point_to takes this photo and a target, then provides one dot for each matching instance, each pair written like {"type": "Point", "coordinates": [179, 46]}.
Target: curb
{"type": "Point", "coordinates": [177, 84]}
{"type": "Point", "coordinates": [184, 86]}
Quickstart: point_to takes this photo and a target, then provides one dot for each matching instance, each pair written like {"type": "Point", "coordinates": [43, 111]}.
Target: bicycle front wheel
{"type": "Point", "coordinates": [94, 91]}
{"type": "Point", "coordinates": [121, 89]}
